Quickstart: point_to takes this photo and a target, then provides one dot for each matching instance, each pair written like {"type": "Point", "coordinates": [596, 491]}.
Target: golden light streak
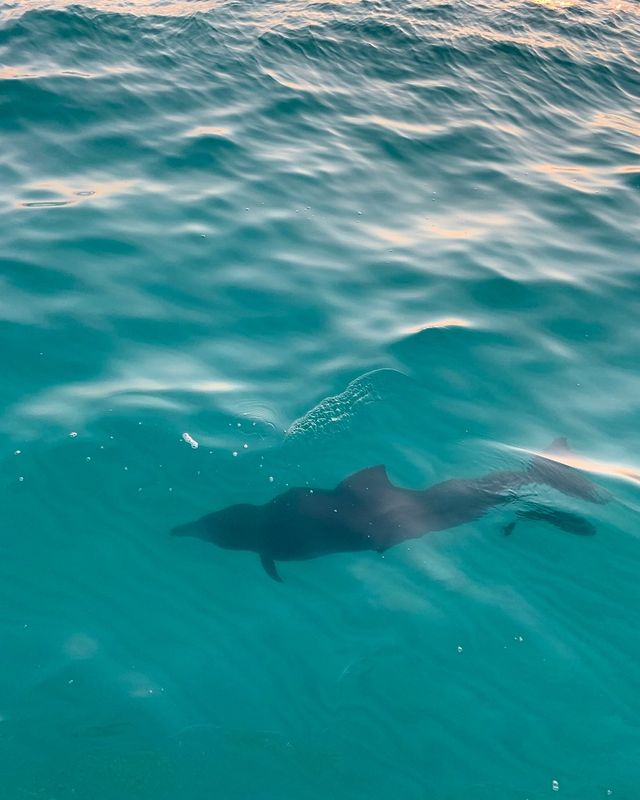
{"type": "Point", "coordinates": [445, 322]}
{"type": "Point", "coordinates": [586, 464]}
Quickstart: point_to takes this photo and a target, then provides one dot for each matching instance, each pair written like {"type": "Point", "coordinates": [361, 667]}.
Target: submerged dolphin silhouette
{"type": "Point", "coordinates": [367, 512]}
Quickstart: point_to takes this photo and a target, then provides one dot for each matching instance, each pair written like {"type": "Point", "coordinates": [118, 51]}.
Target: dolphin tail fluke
{"type": "Point", "coordinates": [547, 467]}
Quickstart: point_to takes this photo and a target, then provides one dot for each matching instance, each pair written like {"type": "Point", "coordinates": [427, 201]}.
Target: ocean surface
{"type": "Point", "coordinates": [312, 237]}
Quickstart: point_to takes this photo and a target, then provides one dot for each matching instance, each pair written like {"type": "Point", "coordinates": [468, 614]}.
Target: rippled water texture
{"type": "Point", "coordinates": [222, 219]}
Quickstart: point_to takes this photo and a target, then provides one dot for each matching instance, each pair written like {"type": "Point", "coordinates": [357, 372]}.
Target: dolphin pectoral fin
{"type": "Point", "coordinates": [270, 567]}
{"type": "Point", "coordinates": [564, 520]}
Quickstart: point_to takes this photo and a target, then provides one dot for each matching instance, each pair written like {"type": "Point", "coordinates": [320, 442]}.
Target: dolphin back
{"type": "Point", "coordinates": [547, 468]}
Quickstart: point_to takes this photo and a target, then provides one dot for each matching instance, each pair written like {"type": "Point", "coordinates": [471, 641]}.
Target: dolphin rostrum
{"type": "Point", "coordinates": [367, 512]}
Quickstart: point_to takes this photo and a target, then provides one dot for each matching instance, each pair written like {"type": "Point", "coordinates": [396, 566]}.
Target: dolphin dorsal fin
{"type": "Point", "coordinates": [371, 479]}
{"type": "Point", "coordinates": [270, 567]}
{"type": "Point", "coordinates": [559, 447]}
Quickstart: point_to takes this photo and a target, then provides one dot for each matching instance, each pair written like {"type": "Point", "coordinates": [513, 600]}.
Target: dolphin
{"type": "Point", "coordinates": [368, 512]}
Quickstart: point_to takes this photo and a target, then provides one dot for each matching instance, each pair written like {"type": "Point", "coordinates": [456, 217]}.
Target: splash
{"type": "Point", "coordinates": [334, 414]}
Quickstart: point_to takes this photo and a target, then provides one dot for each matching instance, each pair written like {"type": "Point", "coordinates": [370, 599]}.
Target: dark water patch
{"type": "Point", "coordinates": [217, 153]}
{"type": "Point", "coordinates": [45, 278]}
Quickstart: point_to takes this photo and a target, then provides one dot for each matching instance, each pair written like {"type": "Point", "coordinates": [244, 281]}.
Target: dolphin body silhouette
{"type": "Point", "coordinates": [367, 512]}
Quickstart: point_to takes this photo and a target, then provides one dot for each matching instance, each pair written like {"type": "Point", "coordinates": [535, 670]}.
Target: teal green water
{"type": "Point", "coordinates": [216, 215]}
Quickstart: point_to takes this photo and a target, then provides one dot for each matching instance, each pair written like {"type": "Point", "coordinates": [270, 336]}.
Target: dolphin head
{"type": "Point", "coordinates": [234, 528]}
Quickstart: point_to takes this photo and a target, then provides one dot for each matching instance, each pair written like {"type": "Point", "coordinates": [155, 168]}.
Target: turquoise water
{"type": "Point", "coordinates": [216, 218]}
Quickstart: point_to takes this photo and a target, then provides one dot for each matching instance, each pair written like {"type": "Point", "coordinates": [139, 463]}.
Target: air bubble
{"type": "Point", "coordinates": [190, 440]}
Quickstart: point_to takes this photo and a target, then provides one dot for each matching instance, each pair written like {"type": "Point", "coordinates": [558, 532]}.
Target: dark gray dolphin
{"type": "Point", "coordinates": [367, 512]}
